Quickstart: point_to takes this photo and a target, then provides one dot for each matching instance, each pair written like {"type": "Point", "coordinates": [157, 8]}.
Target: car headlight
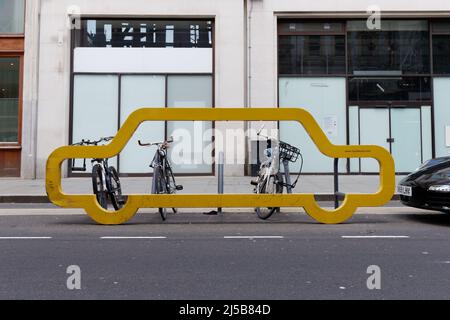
{"type": "Point", "coordinates": [440, 188]}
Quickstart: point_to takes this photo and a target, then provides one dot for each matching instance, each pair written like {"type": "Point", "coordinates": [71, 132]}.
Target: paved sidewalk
{"type": "Point", "coordinates": [23, 191]}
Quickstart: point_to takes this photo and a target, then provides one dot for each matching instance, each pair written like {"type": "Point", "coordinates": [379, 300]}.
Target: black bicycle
{"type": "Point", "coordinates": [105, 179]}
{"type": "Point", "coordinates": [163, 177]}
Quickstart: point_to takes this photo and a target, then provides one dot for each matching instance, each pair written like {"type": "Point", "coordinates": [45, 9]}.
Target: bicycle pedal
{"type": "Point", "coordinates": [179, 188]}
{"type": "Point", "coordinates": [254, 183]}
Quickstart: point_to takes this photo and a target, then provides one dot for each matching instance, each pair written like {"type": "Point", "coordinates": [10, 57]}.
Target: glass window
{"type": "Point", "coordinates": [12, 15]}
{"type": "Point", "coordinates": [314, 54]}
{"type": "Point", "coordinates": [9, 99]}
{"type": "Point", "coordinates": [144, 33]}
{"type": "Point", "coordinates": [192, 150]}
{"type": "Point", "coordinates": [441, 27]}
{"type": "Point", "coordinates": [401, 46]}
{"type": "Point", "coordinates": [95, 108]}
{"type": "Point", "coordinates": [398, 88]}
{"type": "Point", "coordinates": [139, 91]}
{"type": "Point", "coordinates": [441, 54]}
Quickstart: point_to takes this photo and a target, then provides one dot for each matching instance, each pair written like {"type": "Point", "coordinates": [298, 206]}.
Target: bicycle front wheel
{"type": "Point", "coordinates": [98, 186]}
{"type": "Point", "coordinates": [267, 186]}
{"type": "Point", "coordinates": [114, 189]}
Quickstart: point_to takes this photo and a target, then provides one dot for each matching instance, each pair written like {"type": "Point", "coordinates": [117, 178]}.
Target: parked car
{"type": "Point", "coordinates": [428, 187]}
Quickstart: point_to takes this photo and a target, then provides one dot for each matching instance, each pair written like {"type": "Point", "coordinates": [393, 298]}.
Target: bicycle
{"type": "Point", "coordinates": [270, 180]}
{"type": "Point", "coordinates": [163, 178]}
{"type": "Point", "coordinates": [105, 179]}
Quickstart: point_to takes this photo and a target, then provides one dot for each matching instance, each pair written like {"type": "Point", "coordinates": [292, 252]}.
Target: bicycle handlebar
{"type": "Point", "coordinates": [90, 143]}
{"type": "Point", "coordinates": [155, 143]}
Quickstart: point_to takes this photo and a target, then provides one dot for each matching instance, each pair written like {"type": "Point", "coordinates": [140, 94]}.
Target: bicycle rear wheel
{"type": "Point", "coordinates": [268, 185]}
{"type": "Point", "coordinates": [98, 186]}
{"type": "Point", "coordinates": [115, 189]}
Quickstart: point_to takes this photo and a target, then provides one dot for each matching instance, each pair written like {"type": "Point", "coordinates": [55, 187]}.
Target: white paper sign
{"type": "Point", "coordinates": [330, 125]}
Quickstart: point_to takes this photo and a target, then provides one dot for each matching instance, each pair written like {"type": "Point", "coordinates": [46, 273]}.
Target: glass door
{"type": "Point", "coordinates": [406, 138]}
{"type": "Point", "coordinates": [374, 130]}
{"type": "Point", "coordinates": [397, 129]}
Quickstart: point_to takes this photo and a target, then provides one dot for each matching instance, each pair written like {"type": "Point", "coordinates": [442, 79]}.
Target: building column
{"type": "Point", "coordinates": [30, 89]}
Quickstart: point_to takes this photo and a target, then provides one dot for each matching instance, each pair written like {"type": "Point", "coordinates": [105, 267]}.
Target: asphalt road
{"type": "Point", "coordinates": [234, 257]}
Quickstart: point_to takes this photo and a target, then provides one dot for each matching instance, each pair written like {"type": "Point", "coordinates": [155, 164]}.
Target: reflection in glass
{"type": "Point", "coordinates": [145, 33]}
{"type": "Point", "coordinates": [9, 99]}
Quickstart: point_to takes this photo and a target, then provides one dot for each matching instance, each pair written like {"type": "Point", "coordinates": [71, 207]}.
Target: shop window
{"type": "Point", "coordinates": [400, 47]}
{"type": "Point", "coordinates": [101, 102]}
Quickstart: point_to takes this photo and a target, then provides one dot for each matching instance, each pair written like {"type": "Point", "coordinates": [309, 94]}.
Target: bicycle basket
{"type": "Point", "coordinates": [288, 152]}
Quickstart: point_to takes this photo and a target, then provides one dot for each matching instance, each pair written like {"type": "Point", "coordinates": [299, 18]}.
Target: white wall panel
{"type": "Point", "coordinates": [143, 60]}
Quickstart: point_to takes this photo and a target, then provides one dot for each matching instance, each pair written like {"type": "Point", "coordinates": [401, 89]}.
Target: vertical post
{"type": "Point", "coordinates": [220, 173]}
{"type": "Point", "coordinates": [258, 160]}
{"type": "Point", "coordinates": [336, 183]}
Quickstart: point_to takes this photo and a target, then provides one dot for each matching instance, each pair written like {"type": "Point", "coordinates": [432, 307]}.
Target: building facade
{"type": "Point", "coordinates": [12, 31]}
{"type": "Point", "coordinates": [86, 65]}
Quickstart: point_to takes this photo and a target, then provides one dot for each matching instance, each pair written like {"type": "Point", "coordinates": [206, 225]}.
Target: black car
{"type": "Point", "coordinates": [428, 187]}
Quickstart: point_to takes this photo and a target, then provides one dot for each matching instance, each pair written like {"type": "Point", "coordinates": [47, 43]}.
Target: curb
{"type": "Point", "coordinates": [44, 199]}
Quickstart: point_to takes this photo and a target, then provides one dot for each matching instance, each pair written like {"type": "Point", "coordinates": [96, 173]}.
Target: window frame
{"type": "Point", "coordinates": [74, 39]}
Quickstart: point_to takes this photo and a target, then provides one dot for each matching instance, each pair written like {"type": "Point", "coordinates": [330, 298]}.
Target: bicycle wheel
{"type": "Point", "coordinates": [171, 184]}
{"type": "Point", "coordinates": [98, 186]}
{"type": "Point", "coordinates": [114, 188]}
{"type": "Point", "coordinates": [267, 185]}
{"type": "Point", "coordinates": [160, 188]}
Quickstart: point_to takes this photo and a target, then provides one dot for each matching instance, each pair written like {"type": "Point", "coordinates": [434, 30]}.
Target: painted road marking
{"type": "Point", "coordinates": [253, 237]}
{"type": "Point", "coordinates": [25, 238]}
{"type": "Point", "coordinates": [375, 237]}
{"type": "Point", "coordinates": [130, 238]}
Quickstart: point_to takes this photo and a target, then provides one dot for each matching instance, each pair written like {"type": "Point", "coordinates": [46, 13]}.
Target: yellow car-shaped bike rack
{"type": "Point", "coordinates": [136, 201]}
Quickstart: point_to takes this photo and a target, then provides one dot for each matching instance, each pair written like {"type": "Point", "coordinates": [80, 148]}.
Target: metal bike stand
{"type": "Point", "coordinates": [337, 194]}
